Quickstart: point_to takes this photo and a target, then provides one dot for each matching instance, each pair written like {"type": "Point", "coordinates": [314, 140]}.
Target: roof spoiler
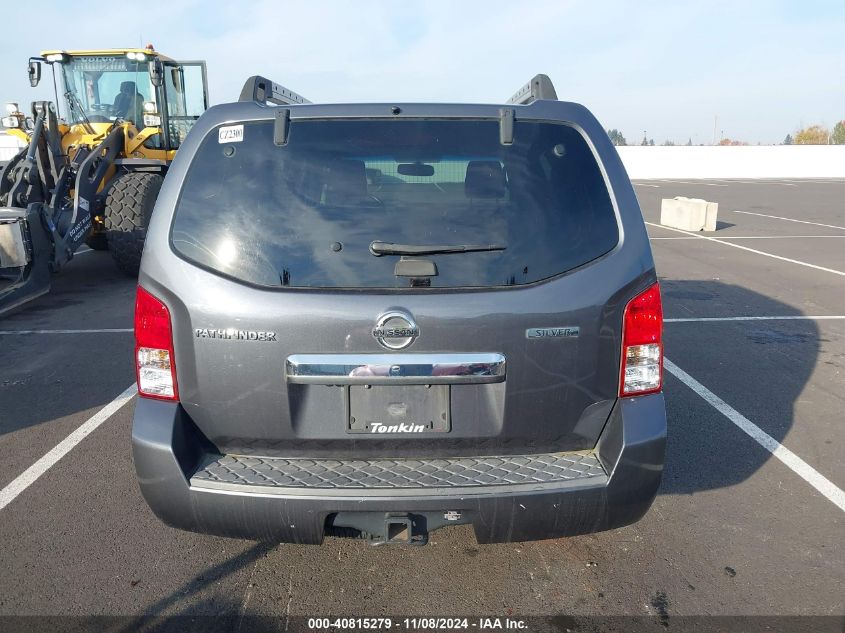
{"type": "Point", "coordinates": [262, 90]}
{"type": "Point", "coordinates": [540, 87]}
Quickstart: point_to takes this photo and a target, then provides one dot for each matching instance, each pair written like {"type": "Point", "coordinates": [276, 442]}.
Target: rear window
{"type": "Point", "coordinates": [306, 214]}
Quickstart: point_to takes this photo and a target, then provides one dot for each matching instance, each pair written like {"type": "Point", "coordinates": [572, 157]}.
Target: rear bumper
{"type": "Point", "coordinates": [172, 466]}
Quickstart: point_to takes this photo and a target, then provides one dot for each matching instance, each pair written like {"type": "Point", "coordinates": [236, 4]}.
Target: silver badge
{"type": "Point", "coordinates": [395, 330]}
{"type": "Point", "coordinates": [231, 334]}
{"type": "Point", "coordinates": [552, 332]}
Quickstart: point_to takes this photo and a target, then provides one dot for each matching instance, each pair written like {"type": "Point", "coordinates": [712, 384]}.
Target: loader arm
{"type": "Point", "coordinates": [40, 235]}
{"type": "Point", "coordinates": [70, 226]}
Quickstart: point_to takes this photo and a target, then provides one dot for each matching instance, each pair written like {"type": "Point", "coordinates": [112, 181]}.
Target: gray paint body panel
{"type": "Point", "coordinates": [558, 392]}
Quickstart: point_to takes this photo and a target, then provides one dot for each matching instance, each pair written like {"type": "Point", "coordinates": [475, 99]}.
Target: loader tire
{"type": "Point", "coordinates": [129, 205]}
{"type": "Point", "coordinates": [97, 242]}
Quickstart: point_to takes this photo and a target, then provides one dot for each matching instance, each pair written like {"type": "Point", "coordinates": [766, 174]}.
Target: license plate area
{"type": "Point", "coordinates": [397, 409]}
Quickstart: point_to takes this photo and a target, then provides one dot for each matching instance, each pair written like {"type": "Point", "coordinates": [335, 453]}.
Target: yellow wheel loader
{"type": "Point", "coordinates": [91, 173]}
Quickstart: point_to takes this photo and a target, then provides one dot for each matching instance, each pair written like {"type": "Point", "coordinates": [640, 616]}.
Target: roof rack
{"type": "Point", "coordinates": [262, 90]}
{"type": "Point", "coordinates": [540, 87]}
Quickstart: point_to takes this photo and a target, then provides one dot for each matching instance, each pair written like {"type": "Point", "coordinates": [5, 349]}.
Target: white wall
{"type": "Point", "coordinates": [755, 161]}
{"type": "Point", "coordinates": [9, 146]}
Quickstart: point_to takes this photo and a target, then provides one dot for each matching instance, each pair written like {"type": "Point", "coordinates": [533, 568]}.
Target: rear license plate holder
{"type": "Point", "coordinates": [397, 409]}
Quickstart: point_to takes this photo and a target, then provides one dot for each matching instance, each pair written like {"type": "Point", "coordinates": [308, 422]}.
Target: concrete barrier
{"type": "Point", "coordinates": [689, 214]}
{"type": "Point", "coordinates": [753, 161]}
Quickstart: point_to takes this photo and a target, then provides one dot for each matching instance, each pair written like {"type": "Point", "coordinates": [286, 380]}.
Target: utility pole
{"type": "Point", "coordinates": [715, 127]}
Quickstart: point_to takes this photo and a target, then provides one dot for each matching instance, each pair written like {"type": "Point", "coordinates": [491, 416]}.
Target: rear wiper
{"type": "Point", "coordinates": [378, 248]}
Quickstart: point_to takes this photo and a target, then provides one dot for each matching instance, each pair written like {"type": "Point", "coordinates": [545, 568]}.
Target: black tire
{"type": "Point", "coordinates": [97, 242]}
{"type": "Point", "coordinates": [129, 205]}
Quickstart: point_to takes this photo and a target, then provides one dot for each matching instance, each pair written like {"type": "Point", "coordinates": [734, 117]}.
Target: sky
{"type": "Point", "coordinates": [663, 68]}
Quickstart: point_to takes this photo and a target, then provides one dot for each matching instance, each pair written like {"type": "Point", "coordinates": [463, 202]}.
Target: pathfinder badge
{"type": "Point", "coordinates": [232, 334]}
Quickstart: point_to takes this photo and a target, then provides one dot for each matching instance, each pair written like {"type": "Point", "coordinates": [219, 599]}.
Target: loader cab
{"type": "Point", "coordinates": [160, 97]}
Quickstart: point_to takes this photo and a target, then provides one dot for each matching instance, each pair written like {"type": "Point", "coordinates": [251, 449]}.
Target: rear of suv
{"type": "Point", "coordinates": [377, 320]}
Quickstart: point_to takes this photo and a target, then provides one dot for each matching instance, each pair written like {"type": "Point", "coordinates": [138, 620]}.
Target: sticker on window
{"type": "Point", "coordinates": [230, 134]}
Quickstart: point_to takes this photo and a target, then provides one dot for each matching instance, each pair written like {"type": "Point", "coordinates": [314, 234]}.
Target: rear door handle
{"type": "Point", "coordinates": [392, 369]}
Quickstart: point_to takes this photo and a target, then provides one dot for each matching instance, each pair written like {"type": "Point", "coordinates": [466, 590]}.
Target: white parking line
{"type": "Point", "coordinates": [773, 181]}
{"type": "Point", "coordinates": [100, 331]}
{"type": "Point", "coordinates": [780, 217]}
{"type": "Point", "coordinates": [754, 237]}
{"type": "Point", "coordinates": [31, 474]}
{"type": "Point", "coordinates": [753, 250]}
{"type": "Point", "coordinates": [809, 474]}
{"type": "Point", "coordinates": [642, 184]}
{"type": "Point", "coordinates": [697, 183]}
{"type": "Point", "coordinates": [813, 181]}
{"type": "Point", "coordinates": [782, 183]}
{"type": "Point", "coordinates": [756, 318]}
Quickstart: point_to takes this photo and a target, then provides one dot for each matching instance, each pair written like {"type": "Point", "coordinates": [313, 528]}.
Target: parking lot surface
{"type": "Point", "coordinates": [743, 525]}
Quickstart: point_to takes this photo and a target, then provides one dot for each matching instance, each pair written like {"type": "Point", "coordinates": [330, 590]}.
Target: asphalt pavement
{"type": "Point", "coordinates": [735, 529]}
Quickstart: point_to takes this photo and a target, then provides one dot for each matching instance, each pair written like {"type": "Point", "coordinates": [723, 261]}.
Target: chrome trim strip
{"type": "Point", "coordinates": [375, 495]}
{"type": "Point", "coordinates": [395, 369]}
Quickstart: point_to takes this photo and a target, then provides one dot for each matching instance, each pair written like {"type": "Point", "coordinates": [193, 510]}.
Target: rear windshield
{"type": "Point", "coordinates": [307, 214]}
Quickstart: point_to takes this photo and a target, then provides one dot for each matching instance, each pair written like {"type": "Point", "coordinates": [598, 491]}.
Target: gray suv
{"type": "Point", "coordinates": [376, 320]}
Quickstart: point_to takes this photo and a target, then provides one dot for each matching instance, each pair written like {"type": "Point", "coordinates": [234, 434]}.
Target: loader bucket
{"type": "Point", "coordinates": [25, 254]}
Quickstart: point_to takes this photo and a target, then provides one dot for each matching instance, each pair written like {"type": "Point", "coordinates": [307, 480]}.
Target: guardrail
{"type": "Point", "coordinates": [752, 161]}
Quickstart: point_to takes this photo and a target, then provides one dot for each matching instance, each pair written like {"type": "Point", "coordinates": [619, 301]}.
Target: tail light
{"type": "Point", "coordinates": [642, 344]}
{"type": "Point", "coordinates": [154, 361]}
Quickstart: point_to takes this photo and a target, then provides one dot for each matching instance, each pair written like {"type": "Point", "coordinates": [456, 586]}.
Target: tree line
{"type": "Point", "coordinates": [818, 135]}
{"type": "Point", "coordinates": [811, 135]}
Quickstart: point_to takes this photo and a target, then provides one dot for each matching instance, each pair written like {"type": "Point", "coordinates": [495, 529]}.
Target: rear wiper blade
{"type": "Point", "coordinates": [378, 248]}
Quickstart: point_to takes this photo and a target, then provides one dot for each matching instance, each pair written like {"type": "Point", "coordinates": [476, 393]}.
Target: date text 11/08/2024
{"type": "Point", "coordinates": [414, 624]}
